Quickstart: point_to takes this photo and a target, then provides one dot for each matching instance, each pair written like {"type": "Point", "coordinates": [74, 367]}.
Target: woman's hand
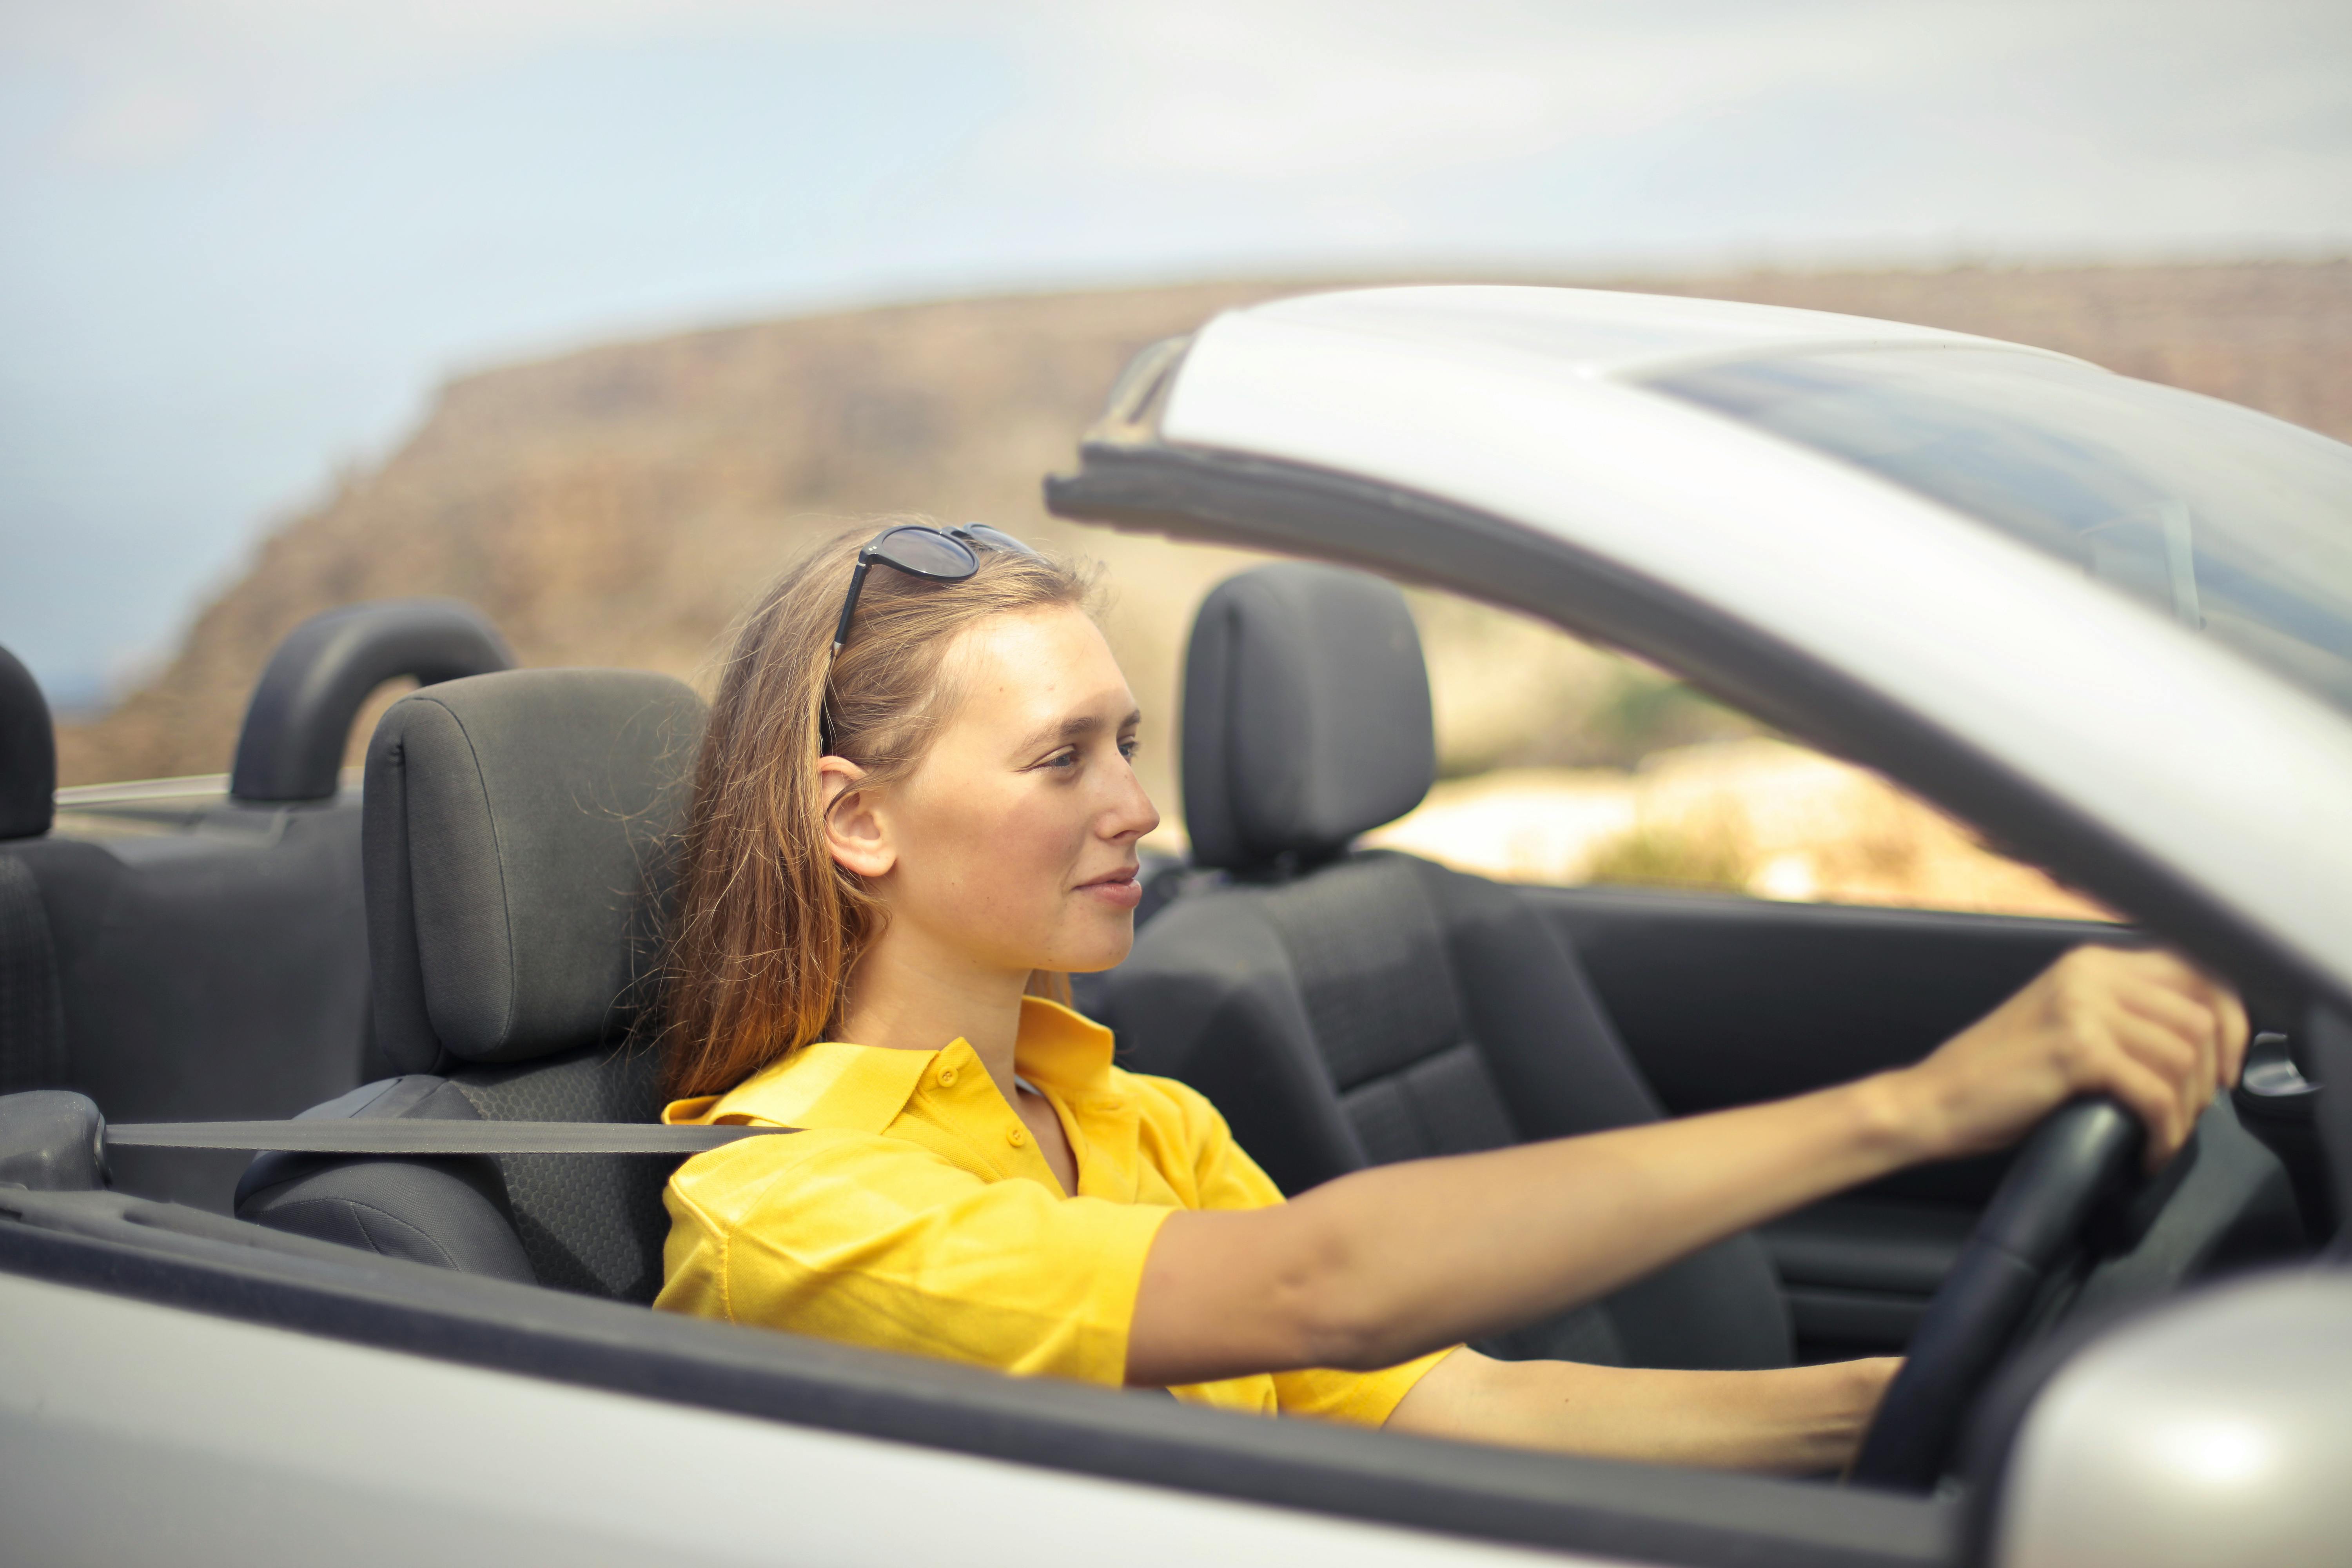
{"type": "Point", "coordinates": [2143, 1027]}
{"type": "Point", "coordinates": [1796, 1421]}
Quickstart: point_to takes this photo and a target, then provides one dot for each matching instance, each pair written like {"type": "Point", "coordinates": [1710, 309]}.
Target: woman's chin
{"type": "Point", "coordinates": [1098, 952]}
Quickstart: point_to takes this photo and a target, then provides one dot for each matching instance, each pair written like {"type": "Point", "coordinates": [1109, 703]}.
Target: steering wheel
{"type": "Point", "coordinates": [2082, 1154]}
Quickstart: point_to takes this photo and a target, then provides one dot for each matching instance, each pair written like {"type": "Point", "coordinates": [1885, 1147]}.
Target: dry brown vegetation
{"type": "Point", "coordinates": [1755, 815]}
{"type": "Point", "coordinates": [616, 505]}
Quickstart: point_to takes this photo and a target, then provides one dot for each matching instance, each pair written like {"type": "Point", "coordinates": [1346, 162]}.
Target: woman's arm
{"type": "Point", "coordinates": [1798, 1420]}
{"type": "Point", "coordinates": [1387, 1264]}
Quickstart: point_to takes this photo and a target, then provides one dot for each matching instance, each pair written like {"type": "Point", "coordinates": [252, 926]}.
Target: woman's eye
{"type": "Point", "coordinates": [1128, 747]}
{"type": "Point", "coordinates": [1064, 759]}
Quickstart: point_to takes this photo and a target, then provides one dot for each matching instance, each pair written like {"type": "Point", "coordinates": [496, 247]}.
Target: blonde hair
{"type": "Point", "coordinates": [768, 928]}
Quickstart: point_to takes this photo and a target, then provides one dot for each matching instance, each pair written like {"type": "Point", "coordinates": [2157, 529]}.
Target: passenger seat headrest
{"type": "Point", "coordinates": [28, 754]}
{"type": "Point", "coordinates": [516, 828]}
{"type": "Point", "coordinates": [1307, 718]}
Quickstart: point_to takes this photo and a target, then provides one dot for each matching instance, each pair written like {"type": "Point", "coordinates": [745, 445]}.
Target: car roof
{"type": "Point", "coordinates": [1593, 332]}
{"type": "Point", "coordinates": [1526, 404]}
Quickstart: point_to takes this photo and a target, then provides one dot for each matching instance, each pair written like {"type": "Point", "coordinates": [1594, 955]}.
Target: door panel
{"type": "Point", "coordinates": [1725, 1000]}
{"type": "Point", "coordinates": [1859, 1272]}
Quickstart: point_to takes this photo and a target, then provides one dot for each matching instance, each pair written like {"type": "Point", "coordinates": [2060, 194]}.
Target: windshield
{"type": "Point", "coordinates": [2229, 522]}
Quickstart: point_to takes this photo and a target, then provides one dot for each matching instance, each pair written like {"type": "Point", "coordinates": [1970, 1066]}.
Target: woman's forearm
{"type": "Point", "coordinates": [1386, 1264]}
{"type": "Point", "coordinates": [1447, 1250]}
{"type": "Point", "coordinates": [1801, 1420]}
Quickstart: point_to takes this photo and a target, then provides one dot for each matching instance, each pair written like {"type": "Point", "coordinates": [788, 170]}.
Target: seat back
{"type": "Point", "coordinates": [32, 1019]}
{"type": "Point", "coordinates": [515, 862]}
{"type": "Point", "coordinates": [28, 754]}
{"type": "Point", "coordinates": [1346, 1008]}
{"type": "Point", "coordinates": [208, 936]}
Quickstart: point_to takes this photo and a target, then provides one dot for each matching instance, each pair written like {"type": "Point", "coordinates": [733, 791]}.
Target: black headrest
{"type": "Point", "coordinates": [515, 833]}
{"type": "Point", "coordinates": [292, 745]}
{"type": "Point", "coordinates": [1307, 716]}
{"type": "Point", "coordinates": [28, 754]}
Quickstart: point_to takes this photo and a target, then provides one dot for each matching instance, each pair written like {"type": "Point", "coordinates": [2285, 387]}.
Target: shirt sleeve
{"type": "Point", "coordinates": [1194, 1140]}
{"type": "Point", "coordinates": [1359, 1398]}
{"type": "Point", "coordinates": [872, 1240]}
{"type": "Point", "coordinates": [1228, 1178]}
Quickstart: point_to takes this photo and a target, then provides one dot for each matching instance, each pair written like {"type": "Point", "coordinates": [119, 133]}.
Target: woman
{"type": "Point", "coordinates": [915, 814]}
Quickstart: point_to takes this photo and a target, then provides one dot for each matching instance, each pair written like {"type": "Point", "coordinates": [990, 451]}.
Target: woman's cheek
{"type": "Point", "coordinates": [1011, 865]}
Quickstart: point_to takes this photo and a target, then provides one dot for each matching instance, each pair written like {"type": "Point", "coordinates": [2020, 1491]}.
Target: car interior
{"type": "Point", "coordinates": [1342, 1006]}
{"type": "Point", "coordinates": [196, 948]}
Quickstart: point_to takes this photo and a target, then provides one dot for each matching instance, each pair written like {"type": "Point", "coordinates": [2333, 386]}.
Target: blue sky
{"type": "Point", "coordinates": [242, 240]}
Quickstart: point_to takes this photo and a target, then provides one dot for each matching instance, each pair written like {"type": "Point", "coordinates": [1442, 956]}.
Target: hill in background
{"type": "Point", "coordinates": [619, 504]}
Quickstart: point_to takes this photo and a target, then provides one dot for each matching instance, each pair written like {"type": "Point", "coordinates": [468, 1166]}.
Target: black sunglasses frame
{"type": "Point", "coordinates": [968, 542]}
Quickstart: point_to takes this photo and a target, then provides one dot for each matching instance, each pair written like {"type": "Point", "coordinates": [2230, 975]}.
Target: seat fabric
{"type": "Point", "coordinates": [579, 1222]}
{"type": "Point", "coordinates": [1346, 1010]}
{"type": "Point", "coordinates": [28, 754]}
{"type": "Point", "coordinates": [1385, 1009]}
{"type": "Point", "coordinates": [589, 1222]}
{"type": "Point", "coordinates": [516, 859]}
{"type": "Point", "coordinates": [32, 1017]}
{"type": "Point", "coordinates": [451, 1213]}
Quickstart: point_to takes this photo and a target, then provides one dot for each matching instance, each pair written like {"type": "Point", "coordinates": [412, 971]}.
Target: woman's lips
{"type": "Point", "coordinates": [1121, 890]}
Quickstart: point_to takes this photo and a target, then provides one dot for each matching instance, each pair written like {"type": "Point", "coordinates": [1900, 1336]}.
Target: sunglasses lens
{"type": "Point", "coordinates": [995, 538]}
{"type": "Point", "coordinates": [926, 552]}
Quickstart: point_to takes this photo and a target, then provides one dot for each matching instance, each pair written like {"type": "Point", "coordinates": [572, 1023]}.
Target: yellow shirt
{"type": "Point", "coordinates": [914, 1211]}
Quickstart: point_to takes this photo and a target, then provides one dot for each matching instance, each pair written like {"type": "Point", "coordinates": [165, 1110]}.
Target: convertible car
{"type": "Point", "coordinates": [2108, 623]}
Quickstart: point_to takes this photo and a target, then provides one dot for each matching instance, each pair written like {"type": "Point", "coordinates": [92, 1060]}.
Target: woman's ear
{"type": "Point", "coordinates": [857, 834]}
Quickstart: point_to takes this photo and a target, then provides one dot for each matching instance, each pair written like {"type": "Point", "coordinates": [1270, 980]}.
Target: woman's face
{"type": "Point", "coordinates": [1012, 845]}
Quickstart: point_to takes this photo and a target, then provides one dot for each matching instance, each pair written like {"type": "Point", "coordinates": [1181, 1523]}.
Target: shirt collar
{"type": "Point", "coordinates": [863, 1087]}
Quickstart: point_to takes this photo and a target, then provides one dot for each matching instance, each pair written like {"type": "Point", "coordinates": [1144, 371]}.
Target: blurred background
{"type": "Point", "coordinates": [590, 313]}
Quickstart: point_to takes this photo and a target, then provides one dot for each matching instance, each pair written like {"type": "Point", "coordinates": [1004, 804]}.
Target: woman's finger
{"type": "Point", "coordinates": [2236, 1033]}
{"type": "Point", "coordinates": [2147, 1095]}
{"type": "Point", "coordinates": [2190, 1020]}
{"type": "Point", "coordinates": [2224, 1005]}
{"type": "Point", "coordinates": [2164, 1050]}
{"type": "Point", "coordinates": [2174, 1062]}
{"type": "Point", "coordinates": [2192, 1083]}
{"type": "Point", "coordinates": [2187, 1007]}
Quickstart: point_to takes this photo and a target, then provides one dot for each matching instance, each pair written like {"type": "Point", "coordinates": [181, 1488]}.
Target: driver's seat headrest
{"type": "Point", "coordinates": [517, 830]}
{"type": "Point", "coordinates": [1307, 716]}
{"type": "Point", "coordinates": [28, 754]}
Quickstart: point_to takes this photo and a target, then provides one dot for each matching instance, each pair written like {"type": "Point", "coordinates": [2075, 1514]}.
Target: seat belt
{"type": "Point", "coordinates": [426, 1135]}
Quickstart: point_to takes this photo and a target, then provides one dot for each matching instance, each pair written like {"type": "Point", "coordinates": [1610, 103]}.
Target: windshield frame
{"type": "Point", "coordinates": [2185, 504]}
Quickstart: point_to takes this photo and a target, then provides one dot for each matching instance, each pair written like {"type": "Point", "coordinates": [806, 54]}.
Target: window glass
{"type": "Point", "coordinates": [1562, 764]}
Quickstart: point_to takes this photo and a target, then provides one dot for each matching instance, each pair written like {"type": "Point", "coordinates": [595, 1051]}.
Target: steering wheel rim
{"type": "Point", "coordinates": [2082, 1154]}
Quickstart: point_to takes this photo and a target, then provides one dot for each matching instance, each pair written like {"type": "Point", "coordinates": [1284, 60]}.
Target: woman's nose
{"type": "Point", "coordinates": [1131, 814]}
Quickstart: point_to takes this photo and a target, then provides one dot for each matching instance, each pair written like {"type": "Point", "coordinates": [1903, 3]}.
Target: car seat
{"type": "Point", "coordinates": [204, 954]}
{"type": "Point", "coordinates": [514, 837]}
{"type": "Point", "coordinates": [1345, 1008]}
{"type": "Point", "coordinates": [32, 1015]}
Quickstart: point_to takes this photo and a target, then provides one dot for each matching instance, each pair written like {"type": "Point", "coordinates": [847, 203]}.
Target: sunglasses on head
{"type": "Point", "coordinates": [934, 554]}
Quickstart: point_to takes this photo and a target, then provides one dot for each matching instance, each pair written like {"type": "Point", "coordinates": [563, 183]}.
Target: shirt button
{"type": "Point", "coordinates": [947, 1077]}
{"type": "Point", "coordinates": [1016, 1138]}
